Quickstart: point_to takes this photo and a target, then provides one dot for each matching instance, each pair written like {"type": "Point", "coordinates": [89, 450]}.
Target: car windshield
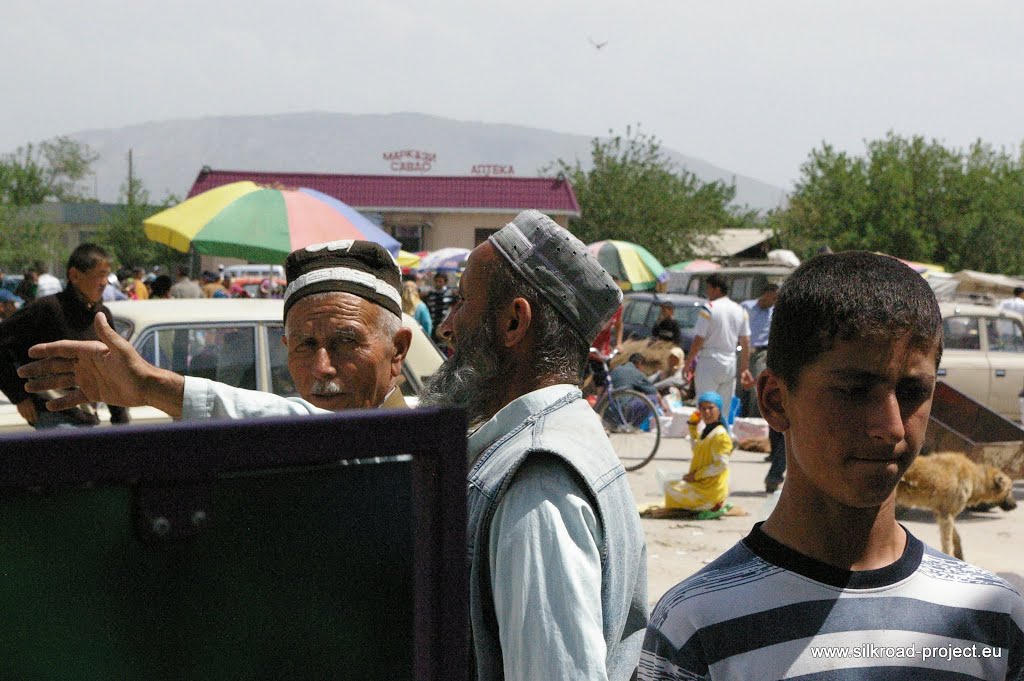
{"type": "Point", "coordinates": [686, 316]}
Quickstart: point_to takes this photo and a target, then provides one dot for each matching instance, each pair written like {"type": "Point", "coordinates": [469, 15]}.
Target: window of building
{"type": "Point", "coordinates": [410, 237]}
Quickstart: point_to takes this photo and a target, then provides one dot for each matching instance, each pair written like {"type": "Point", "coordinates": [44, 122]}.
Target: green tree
{"type": "Point", "coordinates": [913, 199]}
{"type": "Point", "coordinates": [634, 192]}
{"type": "Point", "coordinates": [52, 170]}
{"type": "Point", "coordinates": [27, 238]}
{"type": "Point", "coordinates": [123, 236]}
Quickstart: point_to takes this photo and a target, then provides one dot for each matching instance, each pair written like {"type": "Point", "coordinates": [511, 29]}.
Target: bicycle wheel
{"type": "Point", "coordinates": [631, 422]}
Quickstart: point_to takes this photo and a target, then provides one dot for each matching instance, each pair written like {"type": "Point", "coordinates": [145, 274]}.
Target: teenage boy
{"type": "Point", "coordinates": [830, 586]}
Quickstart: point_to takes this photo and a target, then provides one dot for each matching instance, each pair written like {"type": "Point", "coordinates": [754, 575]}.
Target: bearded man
{"type": "Point", "coordinates": [558, 579]}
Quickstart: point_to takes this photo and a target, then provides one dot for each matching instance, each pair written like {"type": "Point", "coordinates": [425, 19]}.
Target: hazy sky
{"type": "Point", "coordinates": [750, 86]}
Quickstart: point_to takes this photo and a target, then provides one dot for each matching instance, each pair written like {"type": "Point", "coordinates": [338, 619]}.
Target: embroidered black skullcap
{"type": "Point", "coordinates": [362, 268]}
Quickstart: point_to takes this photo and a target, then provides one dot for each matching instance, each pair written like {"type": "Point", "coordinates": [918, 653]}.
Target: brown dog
{"type": "Point", "coordinates": [947, 483]}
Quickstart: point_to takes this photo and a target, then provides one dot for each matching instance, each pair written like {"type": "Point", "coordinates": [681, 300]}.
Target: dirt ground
{"type": "Point", "coordinates": [677, 548]}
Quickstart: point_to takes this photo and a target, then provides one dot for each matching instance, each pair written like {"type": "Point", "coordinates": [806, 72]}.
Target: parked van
{"type": "Point", "coordinates": [745, 282]}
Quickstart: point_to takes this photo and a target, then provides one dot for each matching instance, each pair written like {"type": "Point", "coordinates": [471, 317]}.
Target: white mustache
{"type": "Point", "coordinates": [325, 388]}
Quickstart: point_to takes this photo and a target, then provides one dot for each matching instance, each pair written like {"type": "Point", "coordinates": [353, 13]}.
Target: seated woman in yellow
{"type": "Point", "coordinates": [706, 486]}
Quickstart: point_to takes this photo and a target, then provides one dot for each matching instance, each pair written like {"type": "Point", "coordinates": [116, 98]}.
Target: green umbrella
{"type": "Point", "coordinates": [628, 262]}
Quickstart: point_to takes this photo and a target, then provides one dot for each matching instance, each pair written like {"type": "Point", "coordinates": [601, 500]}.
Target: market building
{"type": "Point", "coordinates": [423, 212]}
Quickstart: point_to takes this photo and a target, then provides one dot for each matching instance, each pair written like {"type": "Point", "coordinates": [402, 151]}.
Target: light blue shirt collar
{"type": "Point", "coordinates": [514, 413]}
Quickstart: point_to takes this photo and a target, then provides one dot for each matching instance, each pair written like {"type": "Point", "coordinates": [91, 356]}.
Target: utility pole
{"type": "Point", "coordinates": [131, 180]}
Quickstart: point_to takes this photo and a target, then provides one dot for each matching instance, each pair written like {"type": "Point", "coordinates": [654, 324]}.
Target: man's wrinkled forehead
{"type": "Point", "coordinates": [340, 304]}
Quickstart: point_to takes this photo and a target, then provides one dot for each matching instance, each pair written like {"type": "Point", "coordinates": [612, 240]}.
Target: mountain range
{"type": "Point", "coordinates": [167, 155]}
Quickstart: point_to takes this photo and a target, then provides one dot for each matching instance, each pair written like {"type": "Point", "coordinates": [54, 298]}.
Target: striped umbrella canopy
{"type": "Point", "coordinates": [259, 223]}
{"type": "Point", "coordinates": [444, 260]}
{"type": "Point", "coordinates": [632, 264]}
{"type": "Point", "coordinates": [408, 261]}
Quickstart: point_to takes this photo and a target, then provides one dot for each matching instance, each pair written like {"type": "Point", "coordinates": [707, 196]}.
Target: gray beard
{"type": "Point", "coordinates": [471, 379]}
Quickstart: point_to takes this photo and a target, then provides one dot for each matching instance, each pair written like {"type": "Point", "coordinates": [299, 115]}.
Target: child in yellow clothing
{"type": "Point", "coordinates": [706, 486]}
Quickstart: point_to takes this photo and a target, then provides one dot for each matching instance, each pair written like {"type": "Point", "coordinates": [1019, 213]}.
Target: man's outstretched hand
{"type": "Point", "coordinates": [106, 370]}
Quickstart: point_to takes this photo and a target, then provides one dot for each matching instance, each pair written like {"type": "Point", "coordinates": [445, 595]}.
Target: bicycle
{"type": "Point", "coordinates": [629, 418]}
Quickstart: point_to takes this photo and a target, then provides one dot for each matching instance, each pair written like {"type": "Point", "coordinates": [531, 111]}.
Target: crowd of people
{"type": "Point", "coordinates": [557, 557]}
{"type": "Point", "coordinates": [713, 369]}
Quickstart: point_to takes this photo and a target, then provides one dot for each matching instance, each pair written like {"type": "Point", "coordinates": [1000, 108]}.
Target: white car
{"type": "Point", "coordinates": [983, 355]}
{"type": "Point", "coordinates": [234, 341]}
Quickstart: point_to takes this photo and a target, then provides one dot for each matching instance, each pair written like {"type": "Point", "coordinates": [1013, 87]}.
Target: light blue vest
{"type": "Point", "coordinates": [569, 430]}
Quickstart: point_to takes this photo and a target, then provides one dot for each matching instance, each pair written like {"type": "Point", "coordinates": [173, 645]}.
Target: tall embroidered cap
{"type": "Point", "coordinates": [559, 266]}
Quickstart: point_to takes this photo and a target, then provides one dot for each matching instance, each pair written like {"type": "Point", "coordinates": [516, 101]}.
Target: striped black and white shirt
{"type": "Point", "coordinates": [764, 611]}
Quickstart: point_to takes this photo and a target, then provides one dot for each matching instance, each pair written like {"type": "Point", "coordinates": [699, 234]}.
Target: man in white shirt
{"type": "Point", "coordinates": [1015, 304]}
{"type": "Point", "coordinates": [46, 283]}
{"type": "Point", "coordinates": [722, 324]}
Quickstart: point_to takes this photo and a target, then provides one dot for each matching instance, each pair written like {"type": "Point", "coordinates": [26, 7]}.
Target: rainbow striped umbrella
{"type": "Point", "coordinates": [259, 223]}
{"type": "Point", "coordinates": [632, 264]}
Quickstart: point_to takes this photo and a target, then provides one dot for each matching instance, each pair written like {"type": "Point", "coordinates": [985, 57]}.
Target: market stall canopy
{"type": "Point", "coordinates": [997, 285]}
{"type": "Point", "coordinates": [943, 285]}
{"type": "Point", "coordinates": [632, 264]}
{"type": "Point", "coordinates": [732, 241]}
{"type": "Point", "coordinates": [260, 223]}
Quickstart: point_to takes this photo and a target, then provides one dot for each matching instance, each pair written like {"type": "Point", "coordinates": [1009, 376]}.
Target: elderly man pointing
{"type": "Point", "coordinates": [342, 316]}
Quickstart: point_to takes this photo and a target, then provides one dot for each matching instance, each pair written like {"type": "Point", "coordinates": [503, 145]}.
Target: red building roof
{"type": "Point", "coordinates": [416, 193]}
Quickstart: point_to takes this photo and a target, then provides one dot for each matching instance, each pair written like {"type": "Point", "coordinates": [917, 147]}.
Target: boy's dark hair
{"type": "Point", "coordinates": [1018, 290]}
{"type": "Point", "coordinates": [769, 288]}
{"type": "Point", "coordinates": [719, 282]}
{"type": "Point", "coordinates": [87, 256]}
{"type": "Point", "coordinates": [847, 296]}
{"type": "Point", "coordinates": [637, 358]}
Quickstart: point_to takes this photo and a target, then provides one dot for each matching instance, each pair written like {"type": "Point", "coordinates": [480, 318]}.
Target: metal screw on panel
{"type": "Point", "coordinates": [161, 526]}
{"type": "Point", "coordinates": [199, 518]}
